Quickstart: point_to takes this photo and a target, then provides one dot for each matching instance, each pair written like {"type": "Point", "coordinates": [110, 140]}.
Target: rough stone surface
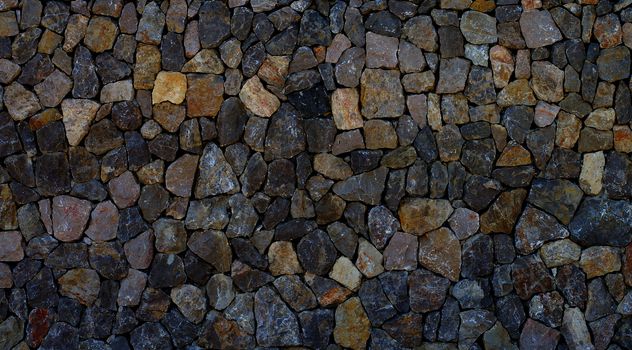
{"type": "Point", "coordinates": [445, 174]}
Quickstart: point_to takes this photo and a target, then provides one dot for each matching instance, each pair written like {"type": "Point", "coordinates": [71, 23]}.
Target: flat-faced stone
{"type": "Point", "coordinates": [12, 246]}
{"type": "Point", "coordinates": [257, 99]}
{"type": "Point", "coordinates": [151, 25]}
{"type": "Point", "coordinates": [401, 252]}
{"type": "Point", "coordinates": [534, 228]}
{"type": "Point", "coordinates": [212, 246]}
{"type": "Point", "coordinates": [420, 215]}
{"type": "Point", "coordinates": [531, 276]}
{"type": "Point", "coordinates": [421, 32]}
{"type": "Point", "coordinates": [169, 86]}
{"type": "Point", "coordinates": [124, 190]}
{"type": "Point", "coordinates": [20, 102]}
{"type": "Point", "coordinates": [547, 81]}
{"type": "Point", "coordinates": [440, 252]}
{"type": "Point", "coordinates": [344, 104]}
{"type": "Point", "coordinates": [561, 199]}
{"type": "Point", "coordinates": [539, 29]}
{"type": "Point", "coordinates": [349, 67]}
{"type": "Point", "coordinates": [104, 222]}
{"type": "Point", "coordinates": [453, 73]}
{"type": "Point", "coordinates": [352, 325]}
{"type": "Point", "coordinates": [427, 291]}
{"type": "Point", "coordinates": [381, 94]}
{"type": "Point", "coordinates": [180, 175]}
{"type": "Point", "coordinates": [216, 175]}
{"type": "Point", "coordinates": [70, 216]}
{"type": "Point", "coordinates": [214, 24]}
{"type": "Point", "coordinates": [77, 116]}
{"type": "Point", "coordinates": [600, 260]}
{"type": "Point", "coordinates": [277, 325]}
{"type": "Point", "coordinates": [614, 63]}
{"type": "Point", "coordinates": [478, 28]}
{"type": "Point", "coordinates": [100, 34]}
{"type": "Point", "coordinates": [80, 284]}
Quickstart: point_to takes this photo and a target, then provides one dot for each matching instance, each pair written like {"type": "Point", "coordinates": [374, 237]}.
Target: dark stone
{"type": "Point", "coordinates": [531, 276]}
{"type": "Point", "coordinates": [167, 270]}
{"type": "Point", "coordinates": [317, 326]}
{"type": "Point", "coordinates": [427, 291]}
{"type": "Point", "coordinates": [375, 302]}
{"type": "Point", "coordinates": [52, 174]}
{"type": "Point", "coordinates": [314, 29]}
{"type": "Point", "coordinates": [601, 221]}
{"type": "Point", "coordinates": [84, 75]}
{"type": "Point", "coordinates": [111, 69]}
{"type": "Point", "coordinates": [214, 24]}
{"type": "Point", "coordinates": [277, 325]}
{"type": "Point", "coordinates": [517, 120]}
{"type": "Point", "coordinates": [316, 252]}
{"type": "Point", "coordinates": [150, 335]}
{"type": "Point", "coordinates": [312, 102]}
{"type": "Point", "coordinates": [477, 256]}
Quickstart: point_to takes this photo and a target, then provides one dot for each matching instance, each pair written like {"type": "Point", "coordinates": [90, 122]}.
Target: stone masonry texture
{"type": "Point", "coordinates": [315, 174]}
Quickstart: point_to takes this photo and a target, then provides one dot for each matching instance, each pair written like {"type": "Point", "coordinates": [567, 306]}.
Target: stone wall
{"type": "Point", "coordinates": [385, 174]}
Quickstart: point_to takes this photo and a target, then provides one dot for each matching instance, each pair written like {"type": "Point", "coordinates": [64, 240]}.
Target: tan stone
{"type": "Point", "coordinates": [146, 67]}
{"type": "Point", "coordinates": [100, 34]}
{"type": "Point", "coordinates": [169, 86]}
{"type": "Point", "coordinates": [369, 260]}
{"type": "Point", "coordinates": [274, 70]}
{"type": "Point", "coordinates": [502, 65]}
{"type": "Point", "coordinates": [352, 325]}
{"type": "Point", "coordinates": [601, 119]}
{"type": "Point", "coordinates": [77, 116]}
{"type": "Point", "coordinates": [331, 166]}
{"type": "Point", "coordinates": [514, 155]}
{"type": "Point", "coordinates": [591, 176]}
{"type": "Point", "coordinates": [345, 109]}
{"type": "Point", "coordinates": [568, 128]}
{"type": "Point", "coordinates": [205, 61]}
{"type": "Point", "coordinates": [257, 99]}
{"type": "Point", "coordinates": [80, 284]}
{"type": "Point", "coordinates": [600, 260]}
{"type": "Point", "coordinates": [379, 134]}
{"type": "Point", "coordinates": [440, 252]}
{"type": "Point", "coordinates": [518, 92]}
{"type": "Point", "coordinates": [345, 273]}
{"type": "Point", "coordinates": [421, 215]}
{"type": "Point", "coordinates": [283, 259]}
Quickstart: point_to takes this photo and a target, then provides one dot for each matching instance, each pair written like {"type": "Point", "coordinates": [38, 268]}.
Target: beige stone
{"type": "Point", "coordinates": [345, 109]}
{"type": "Point", "coordinates": [169, 86]}
{"type": "Point", "coordinates": [257, 99]}
{"type": "Point", "coordinates": [591, 176]}
{"type": "Point", "coordinates": [345, 273]}
{"type": "Point", "coordinates": [283, 259]}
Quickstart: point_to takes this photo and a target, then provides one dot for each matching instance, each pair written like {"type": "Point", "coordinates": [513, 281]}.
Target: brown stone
{"type": "Point", "coordinates": [421, 215]}
{"type": "Point", "coordinates": [180, 175]}
{"type": "Point", "coordinates": [345, 110]}
{"type": "Point", "coordinates": [440, 252]}
{"type": "Point", "coordinates": [169, 86]}
{"type": "Point", "coordinates": [205, 95]}
{"type": "Point", "coordinates": [352, 325]}
{"type": "Point", "coordinates": [70, 216]}
{"type": "Point", "coordinates": [503, 213]}
{"type": "Point", "coordinates": [257, 99]}
{"type": "Point", "coordinates": [11, 246]}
